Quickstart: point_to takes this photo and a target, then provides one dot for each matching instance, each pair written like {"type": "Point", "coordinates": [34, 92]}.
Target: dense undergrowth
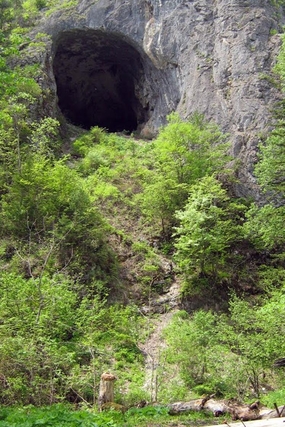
{"type": "Point", "coordinates": [86, 229]}
{"type": "Point", "coordinates": [60, 416]}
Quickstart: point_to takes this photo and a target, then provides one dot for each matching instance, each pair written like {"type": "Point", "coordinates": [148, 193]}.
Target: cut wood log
{"type": "Point", "coordinates": [106, 391]}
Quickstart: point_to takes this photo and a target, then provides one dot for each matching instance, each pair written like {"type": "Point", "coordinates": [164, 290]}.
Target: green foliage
{"type": "Point", "coordinates": [59, 219]}
{"type": "Point", "coordinates": [271, 277]}
{"type": "Point", "coordinates": [194, 334]}
{"type": "Point", "coordinates": [160, 199]}
{"type": "Point", "coordinates": [6, 13]}
{"type": "Point", "coordinates": [280, 65]}
{"type": "Point", "coordinates": [62, 415]}
{"type": "Point", "coordinates": [47, 205]}
{"type": "Point", "coordinates": [188, 150]}
{"type": "Point", "coordinates": [228, 355]}
{"type": "Point", "coordinates": [83, 144]}
{"type": "Point", "coordinates": [210, 224]}
{"type": "Point", "coordinates": [271, 170]}
{"type": "Point", "coordinates": [274, 397]}
{"type": "Point", "coordinates": [54, 5]}
{"type": "Point", "coordinates": [149, 412]}
{"type": "Point", "coordinates": [184, 152]}
{"type": "Point", "coordinates": [32, 8]}
{"type": "Point", "coordinates": [19, 92]}
{"type": "Point", "coordinates": [46, 304]}
{"type": "Point", "coordinates": [36, 319]}
{"type": "Point", "coordinates": [52, 343]}
{"type": "Point", "coordinates": [57, 416]}
{"type": "Point", "coordinates": [255, 334]}
{"type": "Point", "coordinates": [277, 2]}
{"type": "Point", "coordinates": [44, 138]}
{"type": "Point", "coordinates": [265, 226]}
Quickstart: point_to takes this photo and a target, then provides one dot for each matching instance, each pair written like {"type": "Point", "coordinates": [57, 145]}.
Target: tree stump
{"type": "Point", "coordinates": [106, 391]}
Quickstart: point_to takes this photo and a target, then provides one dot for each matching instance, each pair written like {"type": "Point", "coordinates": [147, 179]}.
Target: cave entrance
{"type": "Point", "coordinates": [97, 76]}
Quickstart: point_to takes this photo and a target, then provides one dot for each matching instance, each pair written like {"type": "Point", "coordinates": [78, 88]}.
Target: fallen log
{"type": "Point", "coordinates": [185, 407]}
{"type": "Point", "coordinates": [245, 413]}
{"type": "Point", "coordinates": [207, 404]}
{"type": "Point", "coordinates": [217, 408]}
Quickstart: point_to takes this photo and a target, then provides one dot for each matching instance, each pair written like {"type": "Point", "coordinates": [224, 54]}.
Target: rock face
{"type": "Point", "coordinates": [126, 64]}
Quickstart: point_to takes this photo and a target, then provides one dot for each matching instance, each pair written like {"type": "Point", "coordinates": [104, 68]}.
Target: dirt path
{"type": "Point", "coordinates": [155, 343]}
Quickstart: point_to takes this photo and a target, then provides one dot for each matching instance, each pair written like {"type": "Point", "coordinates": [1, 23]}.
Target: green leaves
{"type": "Point", "coordinates": [209, 226]}
{"type": "Point", "coordinates": [36, 305]}
{"type": "Point", "coordinates": [184, 152]}
{"type": "Point", "coordinates": [187, 150]}
{"type": "Point", "coordinates": [265, 226]}
{"type": "Point", "coordinates": [48, 205]}
{"type": "Point", "coordinates": [270, 170]}
{"type": "Point", "coordinates": [45, 137]}
{"type": "Point", "coordinates": [56, 416]}
{"type": "Point", "coordinates": [228, 354]}
{"type": "Point", "coordinates": [159, 200]}
{"type": "Point", "coordinates": [51, 341]}
{"type": "Point", "coordinates": [36, 317]}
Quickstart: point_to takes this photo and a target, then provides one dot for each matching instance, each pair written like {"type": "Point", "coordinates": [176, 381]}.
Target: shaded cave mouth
{"type": "Point", "coordinates": [98, 77]}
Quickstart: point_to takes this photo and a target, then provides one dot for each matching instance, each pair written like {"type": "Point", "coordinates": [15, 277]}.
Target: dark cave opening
{"type": "Point", "coordinates": [98, 76]}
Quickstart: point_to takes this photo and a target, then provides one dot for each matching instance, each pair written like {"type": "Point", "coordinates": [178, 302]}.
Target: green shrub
{"type": "Point", "coordinates": [83, 144]}
{"type": "Point", "coordinates": [274, 397]}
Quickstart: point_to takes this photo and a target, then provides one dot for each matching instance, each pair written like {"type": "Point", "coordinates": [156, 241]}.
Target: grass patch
{"type": "Point", "coordinates": [64, 415]}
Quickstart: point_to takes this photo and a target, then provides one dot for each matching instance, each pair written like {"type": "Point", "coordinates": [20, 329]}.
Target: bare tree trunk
{"type": "Point", "coordinates": [106, 391]}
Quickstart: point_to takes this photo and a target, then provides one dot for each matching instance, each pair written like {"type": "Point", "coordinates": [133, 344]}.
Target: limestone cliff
{"type": "Point", "coordinates": [125, 64]}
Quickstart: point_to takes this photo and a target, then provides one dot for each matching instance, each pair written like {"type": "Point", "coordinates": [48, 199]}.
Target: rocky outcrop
{"type": "Point", "coordinates": [135, 61]}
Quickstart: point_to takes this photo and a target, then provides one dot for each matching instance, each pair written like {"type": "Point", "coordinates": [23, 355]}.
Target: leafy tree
{"type": "Point", "coordinates": [270, 169]}
{"type": "Point", "coordinates": [37, 319]}
{"type": "Point", "coordinates": [265, 227]}
{"type": "Point", "coordinates": [255, 333]}
{"type": "Point", "coordinates": [50, 220]}
{"type": "Point", "coordinates": [160, 199]}
{"type": "Point", "coordinates": [189, 150]}
{"type": "Point", "coordinates": [19, 92]}
{"type": "Point", "coordinates": [210, 224]}
{"type": "Point", "coordinates": [231, 355]}
{"type": "Point", "coordinates": [205, 363]}
{"type": "Point", "coordinates": [184, 152]}
{"type": "Point", "coordinates": [53, 344]}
